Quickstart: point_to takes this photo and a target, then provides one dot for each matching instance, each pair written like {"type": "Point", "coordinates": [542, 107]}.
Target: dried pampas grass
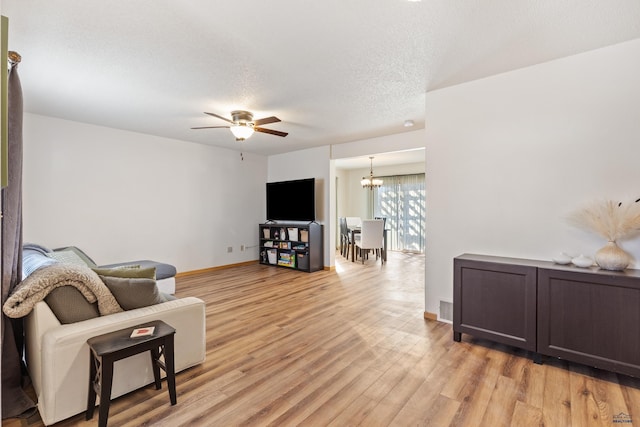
{"type": "Point", "coordinates": [611, 220]}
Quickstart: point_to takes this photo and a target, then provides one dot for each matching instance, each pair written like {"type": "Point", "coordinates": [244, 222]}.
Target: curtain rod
{"type": "Point", "coordinates": [14, 57]}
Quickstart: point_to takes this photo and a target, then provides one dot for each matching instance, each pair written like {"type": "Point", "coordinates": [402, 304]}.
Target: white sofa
{"type": "Point", "coordinates": [58, 356]}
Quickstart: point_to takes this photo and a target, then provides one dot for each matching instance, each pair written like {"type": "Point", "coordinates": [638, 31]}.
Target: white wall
{"type": "Point", "coordinates": [122, 196]}
{"type": "Point", "coordinates": [383, 144]}
{"type": "Point", "coordinates": [311, 163]}
{"type": "Point", "coordinates": [510, 156]}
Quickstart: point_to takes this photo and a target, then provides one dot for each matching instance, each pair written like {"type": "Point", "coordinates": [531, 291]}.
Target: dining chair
{"type": "Point", "coordinates": [353, 221]}
{"type": "Point", "coordinates": [383, 218]}
{"type": "Point", "coordinates": [370, 237]}
{"type": "Point", "coordinates": [384, 226]}
{"type": "Point", "coordinates": [344, 237]}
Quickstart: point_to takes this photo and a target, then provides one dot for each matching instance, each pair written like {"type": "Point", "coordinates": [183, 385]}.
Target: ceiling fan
{"type": "Point", "coordinates": [242, 124]}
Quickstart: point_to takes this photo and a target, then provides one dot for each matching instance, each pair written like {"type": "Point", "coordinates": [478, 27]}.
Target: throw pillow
{"type": "Point", "coordinates": [70, 306]}
{"type": "Point", "coordinates": [129, 271]}
{"type": "Point", "coordinates": [132, 293]}
{"type": "Point", "coordinates": [68, 257]}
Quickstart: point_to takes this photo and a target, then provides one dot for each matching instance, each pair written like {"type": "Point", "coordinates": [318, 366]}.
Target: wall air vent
{"type": "Point", "coordinates": [446, 311]}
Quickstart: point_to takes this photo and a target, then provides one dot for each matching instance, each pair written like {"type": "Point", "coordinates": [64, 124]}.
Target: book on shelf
{"type": "Point", "coordinates": [287, 259]}
{"type": "Point", "coordinates": [293, 233]}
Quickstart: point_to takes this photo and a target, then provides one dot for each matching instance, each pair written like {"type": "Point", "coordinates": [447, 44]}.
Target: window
{"type": "Point", "coordinates": [401, 200]}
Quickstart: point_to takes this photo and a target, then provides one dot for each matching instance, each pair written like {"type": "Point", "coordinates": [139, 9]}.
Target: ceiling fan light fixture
{"type": "Point", "coordinates": [242, 131]}
{"type": "Point", "coordinates": [242, 125]}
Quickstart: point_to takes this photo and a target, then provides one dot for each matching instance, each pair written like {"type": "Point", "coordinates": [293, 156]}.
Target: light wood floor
{"type": "Point", "coordinates": [351, 347]}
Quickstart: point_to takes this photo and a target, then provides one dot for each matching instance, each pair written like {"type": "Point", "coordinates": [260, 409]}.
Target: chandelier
{"type": "Point", "coordinates": [370, 182]}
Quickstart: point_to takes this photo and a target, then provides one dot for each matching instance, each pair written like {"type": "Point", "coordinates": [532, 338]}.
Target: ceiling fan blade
{"type": "Point", "coordinates": [271, 131]}
{"type": "Point", "coordinates": [211, 127]}
{"type": "Point", "coordinates": [266, 121]}
{"type": "Point", "coordinates": [220, 117]}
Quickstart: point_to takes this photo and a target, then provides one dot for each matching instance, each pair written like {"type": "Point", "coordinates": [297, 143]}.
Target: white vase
{"type": "Point", "coordinates": [612, 257]}
{"type": "Point", "coordinates": [582, 261]}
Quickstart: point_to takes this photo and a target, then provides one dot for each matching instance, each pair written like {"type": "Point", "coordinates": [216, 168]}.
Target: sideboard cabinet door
{"type": "Point", "coordinates": [590, 318]}
{"type": "Point", "coordinates": [495, 301]}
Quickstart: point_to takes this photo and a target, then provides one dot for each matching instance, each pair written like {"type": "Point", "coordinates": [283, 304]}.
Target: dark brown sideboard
{"type": "Point", "coordinates": [584, 315]}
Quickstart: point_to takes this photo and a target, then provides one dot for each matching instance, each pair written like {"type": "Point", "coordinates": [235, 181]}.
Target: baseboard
{"type": "Point", "coordinates": [211, 269]}
{"type": "Point", "coordinates": [430, 316]}
{"type": "Point", "coordinates": [223, 267]}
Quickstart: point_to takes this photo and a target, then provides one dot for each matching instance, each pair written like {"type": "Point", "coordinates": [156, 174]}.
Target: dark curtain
{"type": "Point", "coordinates": [14, 400]}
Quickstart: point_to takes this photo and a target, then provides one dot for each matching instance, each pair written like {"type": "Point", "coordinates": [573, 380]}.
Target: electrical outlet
{"type": "Point", "coordinates": [229, 249]}
{"type": "Point", "coordinates": [241, 248]}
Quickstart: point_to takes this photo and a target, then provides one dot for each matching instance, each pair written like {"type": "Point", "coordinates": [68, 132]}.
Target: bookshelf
{"type": "Point", "coordinates": [293, 246]}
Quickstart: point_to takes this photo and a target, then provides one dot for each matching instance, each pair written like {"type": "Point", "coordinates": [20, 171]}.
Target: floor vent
{"type": "Point", "coordinates": [446, 311]}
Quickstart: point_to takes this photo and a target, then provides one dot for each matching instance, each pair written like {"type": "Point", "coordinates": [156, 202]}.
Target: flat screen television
{"type": "Point", "coordinates": [292, 200]}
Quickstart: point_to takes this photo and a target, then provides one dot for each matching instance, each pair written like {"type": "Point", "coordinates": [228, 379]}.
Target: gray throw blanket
{"type": "Point", "coordinates": [45, 279]}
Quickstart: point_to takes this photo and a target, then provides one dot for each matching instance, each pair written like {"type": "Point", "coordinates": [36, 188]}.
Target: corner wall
{"type": "Point", "coordinates": [510, 156]}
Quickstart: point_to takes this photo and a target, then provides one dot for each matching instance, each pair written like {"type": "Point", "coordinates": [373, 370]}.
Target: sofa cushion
{"type": "Point", "coordinates": [127, 271]}
{"type": "Point", "coordinates": [132, 293]}
{"type": "Point", "coordinates": [70, 306]}
{"type": "Point", "coordinates": [162, 270]}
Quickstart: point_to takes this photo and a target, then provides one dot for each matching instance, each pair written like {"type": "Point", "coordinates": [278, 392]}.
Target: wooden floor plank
{"type": "Point", "coordinates": [532, 384]}
{"type": "Point", "coordinates": [502, 404]}
{"type": "Point", "coordinates": [474, 398]}
{"type": "Point", "coordinates": [556, 407]}
{"type": "Point", "coordinates": [353, 414]}
{"type": "Point", "coordinates": [441, 413]}
{"type": "Point", "coordinates": [352, 347]}
{"type": "Point", "coordinates": [527, 416]}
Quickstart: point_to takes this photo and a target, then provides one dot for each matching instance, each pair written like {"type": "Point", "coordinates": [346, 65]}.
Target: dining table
{"type": "Point", "coordinates": [353, 230]}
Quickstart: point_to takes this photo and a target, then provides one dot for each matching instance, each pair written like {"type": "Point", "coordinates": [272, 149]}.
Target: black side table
{"type": "Point", "coordinates": [111, 347]}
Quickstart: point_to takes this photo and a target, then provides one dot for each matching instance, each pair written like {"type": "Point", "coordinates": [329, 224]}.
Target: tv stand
{"type": "Point", "coordinates": [293, 246]}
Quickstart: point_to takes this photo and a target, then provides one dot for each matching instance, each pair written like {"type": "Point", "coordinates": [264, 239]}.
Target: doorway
{"type": "Point", "coordinates": [399, 198]}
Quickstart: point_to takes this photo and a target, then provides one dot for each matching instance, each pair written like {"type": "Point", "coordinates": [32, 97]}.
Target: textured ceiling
{"type": "Point", "coordinates": [333, 71]}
